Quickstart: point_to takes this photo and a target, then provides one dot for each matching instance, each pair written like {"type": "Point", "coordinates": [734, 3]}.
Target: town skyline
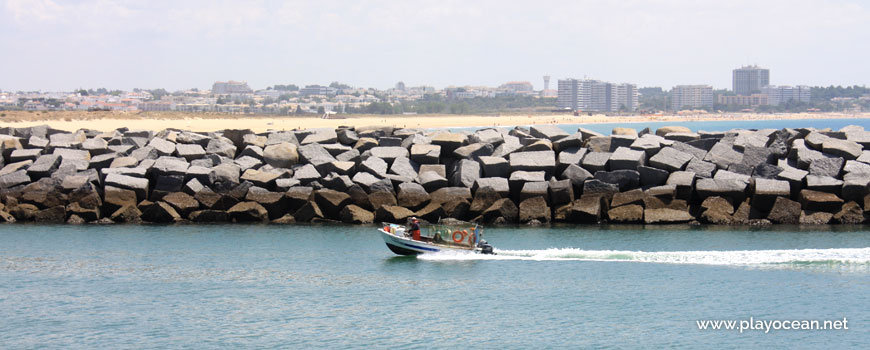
{"type": "Point", "coordinates": [123, 45]}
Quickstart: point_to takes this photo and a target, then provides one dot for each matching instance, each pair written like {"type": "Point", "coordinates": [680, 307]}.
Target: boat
{"type": "Point", "coordinates": [437, 238]}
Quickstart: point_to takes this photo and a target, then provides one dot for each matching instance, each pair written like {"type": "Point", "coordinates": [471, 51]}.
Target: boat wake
{"type": "Point", "coordinates": [852, 257]}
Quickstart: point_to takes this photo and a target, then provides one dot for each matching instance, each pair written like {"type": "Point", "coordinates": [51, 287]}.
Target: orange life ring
{"type": "Point", "coordinates": [461, 236]}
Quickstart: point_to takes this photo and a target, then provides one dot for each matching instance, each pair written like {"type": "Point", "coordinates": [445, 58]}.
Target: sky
{"type": "Point", "coordinates": [54, 45]}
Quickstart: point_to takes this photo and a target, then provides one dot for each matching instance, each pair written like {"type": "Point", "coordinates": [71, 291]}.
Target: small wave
{"type": "Point", "coordinates": [797, 257]}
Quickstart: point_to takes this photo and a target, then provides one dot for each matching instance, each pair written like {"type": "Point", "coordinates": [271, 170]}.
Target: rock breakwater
{"type": "Point", "coordinates": [539, 174]}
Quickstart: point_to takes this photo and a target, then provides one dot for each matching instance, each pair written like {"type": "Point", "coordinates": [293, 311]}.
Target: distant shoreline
{"type": "Point", "coordinates": [104, 121]}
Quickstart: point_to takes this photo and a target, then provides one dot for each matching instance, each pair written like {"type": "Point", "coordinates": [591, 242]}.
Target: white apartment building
{"type": "Point", "coordinates": [694, 96]}
{"type": "Point", "coordinates": [596, 96]}
{"type": "Point", "coordinates": [782, 94]}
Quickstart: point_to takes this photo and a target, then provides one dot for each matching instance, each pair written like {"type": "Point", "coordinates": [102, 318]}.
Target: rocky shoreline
{"type": "Point", "coordinates": [494, 176]}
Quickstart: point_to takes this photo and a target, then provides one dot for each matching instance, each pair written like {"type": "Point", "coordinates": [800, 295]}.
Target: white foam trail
{"type": "Point", "coordinates": [840, 256]}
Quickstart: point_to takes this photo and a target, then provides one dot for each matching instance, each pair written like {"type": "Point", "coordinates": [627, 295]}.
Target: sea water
{"type": "Point", "coordinates": [339, 287]}
{"type": "Point", "coordinates": [714, 125]}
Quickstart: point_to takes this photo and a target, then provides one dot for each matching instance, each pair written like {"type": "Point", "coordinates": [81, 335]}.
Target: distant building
{"type": "Point", "coordinates": [230, 87]}
{"type": "Point", "coordinates": [596, 96]}
{"type": "Point", "coordinates": [695, 96]}
{"type": "Point", "coordinates": [782, 94]}
{"type": "Point", "coordinates": [751, 100]}
{"type": "Point", "coordinates": [517, 86]}
{"type": "Point", "coordinates": [317, 90]}
{"type": "Point", "coordinates": [400, 86]}
{"type": "Point", "coordinates": [748, 80]}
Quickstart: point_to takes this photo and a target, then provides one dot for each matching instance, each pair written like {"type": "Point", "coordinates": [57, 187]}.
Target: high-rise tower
{"type": "Point", "coordinates": [546, 82]}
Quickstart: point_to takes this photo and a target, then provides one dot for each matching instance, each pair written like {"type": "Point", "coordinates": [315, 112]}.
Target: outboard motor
{"type": "Point", "coordinates": [485, 248]}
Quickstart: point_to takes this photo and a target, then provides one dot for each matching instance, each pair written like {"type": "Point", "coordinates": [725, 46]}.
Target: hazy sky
{"type": "Point", "coordinates": [61, 45]}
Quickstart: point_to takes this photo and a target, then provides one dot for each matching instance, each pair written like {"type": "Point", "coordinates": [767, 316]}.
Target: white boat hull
{"type": "Point", "coordinates": [406, 246]}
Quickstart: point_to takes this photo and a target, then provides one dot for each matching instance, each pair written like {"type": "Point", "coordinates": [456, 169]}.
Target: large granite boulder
{"type": "Point", "coordinates": [534, 208]}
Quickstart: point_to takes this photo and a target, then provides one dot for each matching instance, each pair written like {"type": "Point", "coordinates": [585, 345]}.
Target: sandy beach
{"type": "Point", "coordinates": [104, 121]}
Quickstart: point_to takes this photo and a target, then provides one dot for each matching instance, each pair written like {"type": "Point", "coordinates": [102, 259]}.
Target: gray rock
{"type": "Point", "coordinates": [285, 155]}
{"type": "Point", "coordinates": [842, 148]}
{"type": "Point", "coordinates": [389, 153]}
{"type": "Point", "coordinates": [404, 167]}
{"type": "Point", "coordinates": [494, 166]}
{"type": "Point", "coordinates": [248, 162]}
{"type": "Point", "coordinates": [856, 186]}
{"type": "Point", "coordinates": [723, 154]}
{"type": "Point", "coordinates": [587, 134]}
{"type": "Point", "coordinates": [533, 161]}
{"type": "Point", "coordinates": [387, 141]}
{"type": "Point", "coordinates": [598, 144]}
{"type": "Point", "coordinates": [124, 162]}
{"type": "Point", "coordinates": [701, 168]}
{"type": "Point", "coordinates": [535, 189]}
{"type": "Point", "coordinates": [824, 184]}
{"type": "Point", "coordinates": [499, 184]}
{"type": "Point", "coordinates": [13, 167]}
{"type": "Point", "coordinates": [448, 141]}
{"type": "Point", "coordinates": [135, 184]}
{"type": "Point", "coordinates": [490, 136]}
{"type": "Point", "coordinates": [625, 179]}
{"type": "Point", "coordinates": [568, 156]}
{"type": "Point", "coordinates": [102, 161]}
{"type": "Point", "coordinates": [826, 166]}
{"type": "Point", "coordinates": [467, 172]}
{"type": "Point", "coordinates": [431, 180]}
{"type": "Point", "coordinates": [425, 153]}
{"type": "Point", "coordinates": [735, 190]}
{"type": "Point", "coordinates": [561, 192]}
{"type": "Point", "coordinates": [728, 175]}
{"type": "Point", "coordinates": [576, 175]}
{"type": "Point", "coordinates": [649, 144]}
{"type": "Point", "coordinates": [37, 142]}
{"type": "Point", "coordinates": [766, 191]}
{"type": "Point", "coordinates": [19, 155]}
{"type": "Point", "coordinates": [14, 178]}
{"type": "Point", "coordinates": [252, 151]}
{"type": "Point", "coordinates": [281, 137]}
{"type": "Point", "coordinates": [596, 161]}
{"type": "Point", "coordinates": [473, 151]}
{"type": "Point", "coordinates": [650, 176]}
{"type": "Point", "coordinates": [225, 173]}
{"type": "Point", "coordinates": [314, 154]}
{"type": "Point", "coordinates": [439, 169]}
{"type": "Point", "coordinates": [617, 141]}
{"type": "Point", "coordinates": [170, 166]}
{"type": "Point", "coordinates": [163, 147]}
{"type": "Point", "coordinates": [624, 158]}
{"type": "Point", "coordinates": [510, 145]}
{"type": "Point", "coordinates": [767, 171]}
{"type": "Point", "coordinates": [375, 166]}
{"type": "Point", "coordinates": [412, 196]}
{"type": "Point", "coordinates": [347, 136]}
{"type": "Point", "coordinates": [549, 132]}
{"type": "Point", "coordinates": [190, 151]}
{"type": "Point", "coordinates": [306, 174]}
{"type": "Point", "coordinates": [134, 172]}
{"type": "Point", "coordinates": [144, 153]}
{"type": "Point", "coordinates": [670, 159]}
{"type": "Point", "coordinates": [321, 136]}
{"type": "Point", "coordinates": [44, 166]}
{"type": "Point", "coordinates": [598, 187]}
{"type": "Point", "coordinates": [684, 182]}
{"type": "Point", "coordinates": [221, 148]}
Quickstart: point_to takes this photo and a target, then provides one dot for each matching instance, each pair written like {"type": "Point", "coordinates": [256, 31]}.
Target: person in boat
{"type": "Point", "coordinates": [415, 229]}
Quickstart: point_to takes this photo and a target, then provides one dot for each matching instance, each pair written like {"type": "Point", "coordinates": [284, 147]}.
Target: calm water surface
{"type": "Point", "coordinates": [174, 287]}
{"type": "Point", "coordinates": [724, 125]}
